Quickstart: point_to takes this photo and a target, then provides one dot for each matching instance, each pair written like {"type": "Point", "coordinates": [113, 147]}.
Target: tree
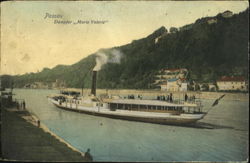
{"type": "Point", "coordinates": [173, 30]}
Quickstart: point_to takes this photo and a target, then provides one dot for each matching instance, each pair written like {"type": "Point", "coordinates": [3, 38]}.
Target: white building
{"type": "Point", "coordinates": [227, 14]}
{"type": "Point", "coordinates": [211, 87]}
{"type": "Point", "coordinates": [174, 85]}
{"type": "Point", "coordinates": [164, 86]}
{"type": "Point", "coordinates": [212, 21]}
{"type": "Point", "coordinates": [184, 86]}
{"type": "Point", "coordinates": [161, 36]}
{"type": "Point", "coordinates": [172, 79]}
{"type": "Point", "coordinates": [227, 83]}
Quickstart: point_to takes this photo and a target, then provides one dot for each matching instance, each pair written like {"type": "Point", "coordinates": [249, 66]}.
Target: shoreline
{"type": "Point", "coordinates": [232, 96]}
{"type": "Point", "coordinates": [21, 119]}
{"type": "Point", "coordinates": [46, 129]}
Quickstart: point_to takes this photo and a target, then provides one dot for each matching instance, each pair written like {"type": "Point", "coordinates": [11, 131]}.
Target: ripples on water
{"type": "Point", "coordinates": [221, 136]}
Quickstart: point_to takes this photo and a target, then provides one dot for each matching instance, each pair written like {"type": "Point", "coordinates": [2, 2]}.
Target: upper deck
{"type": "Point", "coordinates": [149, 102]}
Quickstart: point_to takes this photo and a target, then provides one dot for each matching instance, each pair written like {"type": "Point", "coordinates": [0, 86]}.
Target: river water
{"type": "Point", "coordinates": [221, 136]}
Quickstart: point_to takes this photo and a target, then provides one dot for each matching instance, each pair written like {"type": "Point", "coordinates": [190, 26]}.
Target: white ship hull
{"type": "Point", "coordinates": [143, 116]}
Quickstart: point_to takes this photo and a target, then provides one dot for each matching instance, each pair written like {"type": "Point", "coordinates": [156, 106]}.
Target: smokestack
{"type": "Point", "coordinates": [93, 88]}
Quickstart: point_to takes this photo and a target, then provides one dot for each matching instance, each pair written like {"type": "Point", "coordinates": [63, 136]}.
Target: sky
{"type": "Point", "coordinates": [31, 38]}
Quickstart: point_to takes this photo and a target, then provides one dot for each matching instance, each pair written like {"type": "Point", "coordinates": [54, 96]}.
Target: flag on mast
{"type": "Point", "coordinates": [217, 100]}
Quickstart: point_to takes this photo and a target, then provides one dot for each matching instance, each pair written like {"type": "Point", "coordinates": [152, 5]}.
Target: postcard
{"type": "Point", "coordinates": [124, 81]}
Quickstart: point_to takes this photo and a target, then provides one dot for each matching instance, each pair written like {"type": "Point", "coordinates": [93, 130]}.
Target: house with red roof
{"type": "Point", "coordinates": [230, 83]}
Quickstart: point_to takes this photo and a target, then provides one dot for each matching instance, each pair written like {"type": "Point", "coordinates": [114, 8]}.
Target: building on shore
{"type": "Point", "coordinates": [161, 36]}
{"type": "Point", "coordinates": [227, 14]}
{"type": "Point", "coordinates": [58, 84]}
{"type": "Point", "coordinates": [212, 21]}
{"type": "Point", "coordinates": [211, 87]}
{"type": "Point", "coordinates": [37, 85]}
{"type": "Point", "coordinates": [232, 83]}
{"type": "Point", "coordinates": [173, 84]}
{"type": "Point", "coordinates": [46, 85]}
{"type": "Point", "coordinates": [172, 79]}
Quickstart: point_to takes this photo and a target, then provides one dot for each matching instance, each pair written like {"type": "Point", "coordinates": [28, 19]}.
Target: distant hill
{"type": "Point", "coordinates": [208, 48]}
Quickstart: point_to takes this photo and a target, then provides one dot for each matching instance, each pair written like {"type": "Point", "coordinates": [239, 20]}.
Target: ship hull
{"type": "Point", "coordinates": [172, 120]}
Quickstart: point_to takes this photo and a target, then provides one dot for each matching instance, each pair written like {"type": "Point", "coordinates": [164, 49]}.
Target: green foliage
{"type": "Point", "coordinates": [207, 51]}
{"type": "Point", "coordinates": [6, 81]}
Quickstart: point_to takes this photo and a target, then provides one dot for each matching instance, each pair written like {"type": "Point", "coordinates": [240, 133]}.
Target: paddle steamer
{"type": "Point", "coordinates": [153, 111]}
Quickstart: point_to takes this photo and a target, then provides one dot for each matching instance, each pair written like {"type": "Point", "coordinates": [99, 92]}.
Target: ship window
{"type": "Point", "coordinates": [179, 108]}
{"type": "Point", "coordinates": [120, 106]}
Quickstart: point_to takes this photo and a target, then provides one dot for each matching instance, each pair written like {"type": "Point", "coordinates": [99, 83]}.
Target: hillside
{"type": "Point", "coordinates": [207, 50]}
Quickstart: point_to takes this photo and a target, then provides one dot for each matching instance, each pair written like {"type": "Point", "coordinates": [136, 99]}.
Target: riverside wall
{"type": "Point", "coordinates": [203, 95]}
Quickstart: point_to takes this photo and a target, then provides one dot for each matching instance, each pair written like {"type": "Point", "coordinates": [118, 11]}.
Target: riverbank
{"type": "Point", "coordinates": [24, 139]}
{"type": "Point", "coordinates": [203, 95]}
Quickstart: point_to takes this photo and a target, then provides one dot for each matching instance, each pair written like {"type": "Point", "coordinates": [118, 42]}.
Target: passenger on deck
{"type": "Point", "coordinates": [139, 96]}
{"type": "Point", "coordinates": [186, 97]}
{"type": "Point", "coordinates": [132, 96]}
{"type": "Point", "coordinates": [24, 105]}
{"type": "Point", "coordinates": [171, 97]}
{"type": "Point", "coordinates": [167, 98]}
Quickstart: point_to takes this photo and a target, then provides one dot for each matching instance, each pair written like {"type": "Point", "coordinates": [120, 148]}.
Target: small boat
{"type": "Point", "coordinates": [152, 111]}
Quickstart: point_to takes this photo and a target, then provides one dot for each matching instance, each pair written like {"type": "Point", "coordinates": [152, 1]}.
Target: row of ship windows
{"type": "Point", "coordinates": [150, 107]}
{"type": "Point", "coordinates": [234, 82]}
{"type": "Point", "coordinates": [242, 87]}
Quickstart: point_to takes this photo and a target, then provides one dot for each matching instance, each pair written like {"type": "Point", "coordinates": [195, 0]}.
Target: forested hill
{"type": "Point", "coordinates": [208, 48]}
